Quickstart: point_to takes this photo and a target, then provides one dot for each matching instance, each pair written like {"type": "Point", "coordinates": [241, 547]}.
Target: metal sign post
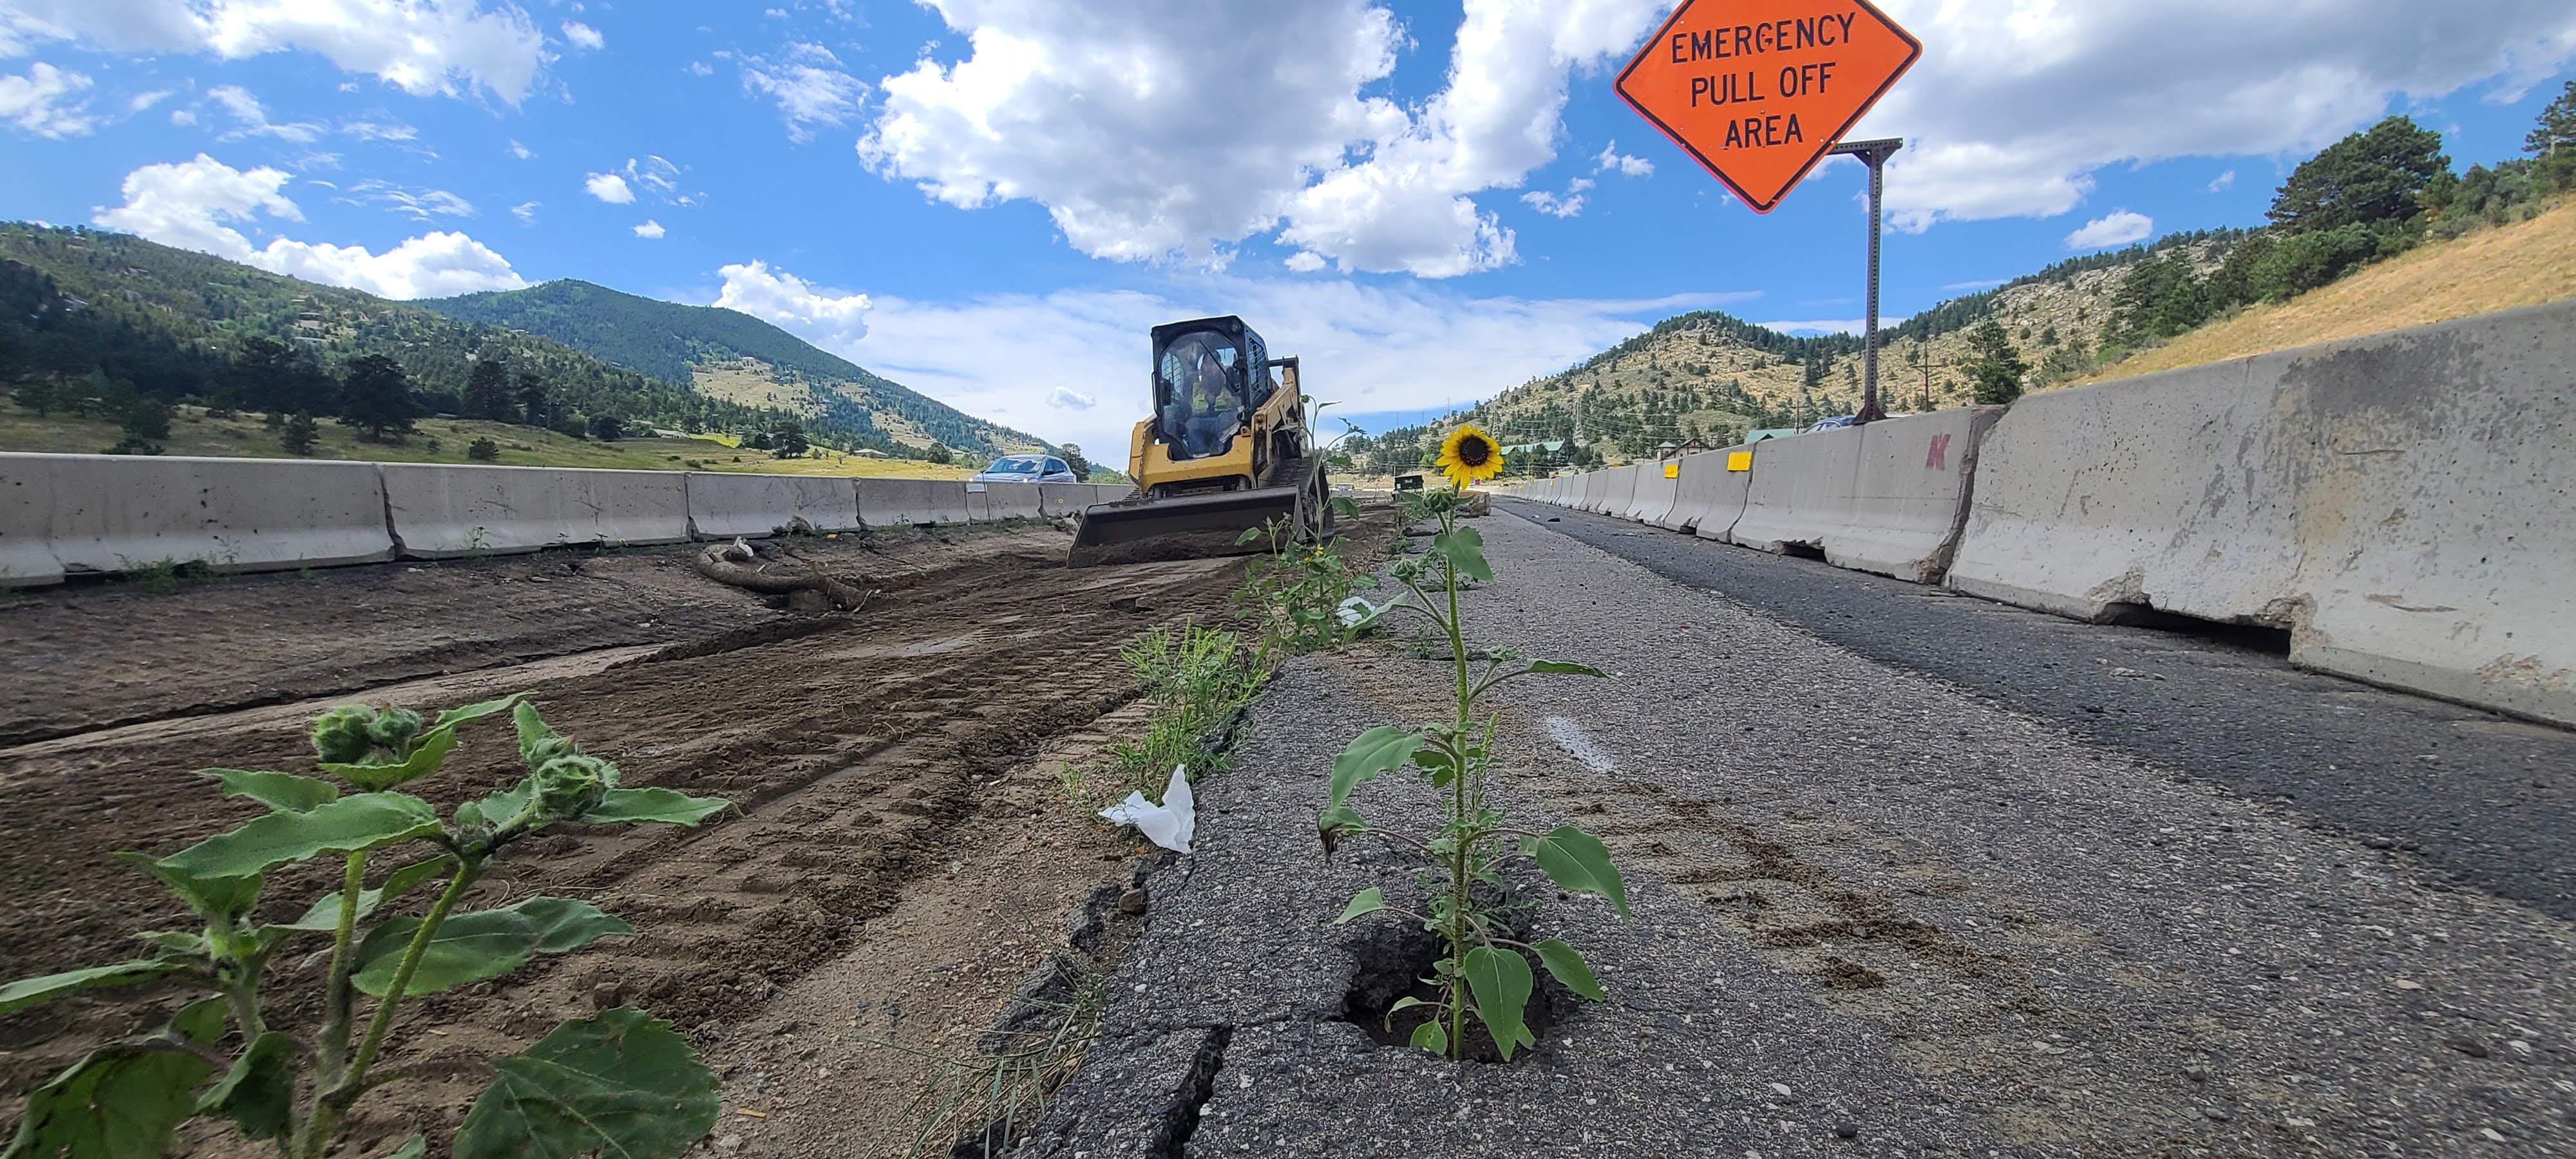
{"type": "Point", "coordinates": [1873, 154]}
{"type": "Point", "coordinates": [1759, 91]}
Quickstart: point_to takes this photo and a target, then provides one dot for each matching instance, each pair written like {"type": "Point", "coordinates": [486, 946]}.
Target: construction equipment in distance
{"type": "Point", "coordinates": [1228, 449]}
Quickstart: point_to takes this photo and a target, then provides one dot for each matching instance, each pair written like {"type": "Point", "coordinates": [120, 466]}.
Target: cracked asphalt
{"type": "Point", "coordinates": [1912, 875]}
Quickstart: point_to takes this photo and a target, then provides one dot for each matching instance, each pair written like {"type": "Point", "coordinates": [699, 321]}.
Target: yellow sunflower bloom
{"type": "Point", "coordinates": [1469, 456]}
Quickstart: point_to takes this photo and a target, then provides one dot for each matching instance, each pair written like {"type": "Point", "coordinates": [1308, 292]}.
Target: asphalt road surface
{"type": "Point", "coordinates": [2463, 791]}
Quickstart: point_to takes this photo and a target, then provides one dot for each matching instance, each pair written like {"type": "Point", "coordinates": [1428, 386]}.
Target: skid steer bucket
{"type": "Point", "coordinates": [1189, 527]}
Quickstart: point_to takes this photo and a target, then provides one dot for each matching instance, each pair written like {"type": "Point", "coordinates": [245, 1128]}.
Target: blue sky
{"type": "Point", "coordinates": [1398, 205]}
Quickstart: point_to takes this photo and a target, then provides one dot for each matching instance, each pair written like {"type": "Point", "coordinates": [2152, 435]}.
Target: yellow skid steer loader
{"type": "Point", "coordinates": [1226, 450]}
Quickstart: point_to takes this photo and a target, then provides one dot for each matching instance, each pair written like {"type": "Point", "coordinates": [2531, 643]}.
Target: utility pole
{"type": "Point", "coordinates": [1873, 154]}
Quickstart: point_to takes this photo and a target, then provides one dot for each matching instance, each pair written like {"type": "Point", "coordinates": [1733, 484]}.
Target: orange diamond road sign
{"type": "Point", "coordinates": [1758, 90]}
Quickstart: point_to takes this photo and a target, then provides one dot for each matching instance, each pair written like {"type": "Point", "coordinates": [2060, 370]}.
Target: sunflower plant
{"type": "Point", "coordinates": [1485, 970]}
{"type": "Point", "coordinates": [619, 1082]}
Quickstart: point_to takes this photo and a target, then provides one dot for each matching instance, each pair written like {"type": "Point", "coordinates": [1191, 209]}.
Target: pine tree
{"type": "Point", "coordinates": [487, 392]}
{"type": "Point", "coordinates": [2556, 132]}
{"type": "Point", "coordinates": [536, 403]}
{"type": "Point", "coordinates": [299, 434]}
{"type": "Point", "coordinates": [376, 398]}
{"type": "Point", "coordinates": [1997, 368]}
{"type": "Point", "coordinates": [2374, 176]}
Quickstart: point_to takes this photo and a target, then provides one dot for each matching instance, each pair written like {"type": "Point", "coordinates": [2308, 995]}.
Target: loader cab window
{"type": "Point", "coordinates": [1198, 390]}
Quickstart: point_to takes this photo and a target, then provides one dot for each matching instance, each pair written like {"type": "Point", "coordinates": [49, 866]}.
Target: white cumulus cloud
{"type": "Point", "coordinates": [423, 47]}
{"type": "Point", "coordinates": [650, 229]}
{"type": "Point", "coordinates": [1554, 205]}
{"type": "Point", "coordinates": [187, 203]}
{"type": "Point", "coordinates": [609, 187]}
{"type": "Point", "coordinates": [826, 318]}
{"type": "Point", "coordinates": [47, 101]}
{"type": "Point", "coordinates": [196, 204]}
{"type": "Point", "coordinates": [1067, 398]}
{"type": "Point", "coordinates": [1143, 144]}
{"type": "Point", "coordinates": [2119, 228]}
{"type": "Point", "coordinates": [2015, 105]}
{"type": "Point", "coordinates": [583, 36]}
{"type": "Point", "coordinates": [808, 85]}
{"type": "Point", "coordinates": [1627, 166]}
{"type": "Point", "coordinates": [434, 265]}
{"type": "Point", "coordinates": [648, 176]}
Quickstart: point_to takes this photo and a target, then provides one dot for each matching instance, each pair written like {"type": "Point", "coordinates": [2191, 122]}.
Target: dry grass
{"type": "Point", "coordinates": [2524, 264]}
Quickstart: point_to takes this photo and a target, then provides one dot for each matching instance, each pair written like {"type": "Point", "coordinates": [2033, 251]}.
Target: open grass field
{"type": "Point", "coordinates": [2524, 264]}
{"type": "Point", "coordinates": [444, 441]}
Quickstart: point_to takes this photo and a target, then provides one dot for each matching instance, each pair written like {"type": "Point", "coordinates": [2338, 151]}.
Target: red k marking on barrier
{"type": "Point", "coordinates": [1939, 458]}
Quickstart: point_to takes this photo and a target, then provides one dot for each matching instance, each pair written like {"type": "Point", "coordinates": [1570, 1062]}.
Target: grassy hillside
{"type": "Point", "coordinates": [170, 320]}
{"type": "Point", "coordinates": [2523, 264]}
{"type": "Point", "coordinates": [736, 357]}
{"type": "Point", "coordinates": [194, 432]}
{"type": "Point", "coordinates": [1713, 376]}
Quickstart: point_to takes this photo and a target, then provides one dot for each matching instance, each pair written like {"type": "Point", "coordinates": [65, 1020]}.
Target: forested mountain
{"type": "Point", "coordinates": [98, 313]}
{"type": "Point", "coordinates": [731, 355]}
{"type": "Point", "coordinates": [104, 323]}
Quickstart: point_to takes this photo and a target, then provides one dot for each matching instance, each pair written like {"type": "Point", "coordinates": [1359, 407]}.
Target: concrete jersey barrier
{"type": "Point", "coordinates": [724, 505]}
{"type": "Point", "coordinates": [1707, 497]}
{"type": "Point", "coordinates": [1611, 493]}
{"type": "Point", "coordinates": [1909, 497]}
{"type": "Point", "coordinates": [71, 514]}
{"type": "Point", "coordinates": [1654, 493]}
{"type": "Point", "coordinates": [917, 502]}
{"type": "Point", "coordinates": [1798, 482]}
{"type": "Point", "coordinates": [1068, 499]}
{"type": "Point", "coordinates": [1888, 497]}
{"type": "Point", "coordinates": [993, 502]}
{"type": "Point", "coordinates": [2398, 502]}
{"type": "Point", "coordinates": [441, 511]}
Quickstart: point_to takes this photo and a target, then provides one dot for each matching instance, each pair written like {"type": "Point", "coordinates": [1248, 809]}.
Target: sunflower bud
{"type": "Point", "coordinates": [569, 785]}
{"type": "Point", "coordinates": [393, 730]}
{"type": "Point", "coordinates": [345, 735]}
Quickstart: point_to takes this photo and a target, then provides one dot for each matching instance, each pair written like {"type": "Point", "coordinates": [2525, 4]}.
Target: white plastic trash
{"type": "Point", "coordinates": [1170, 824]}
{"type": "Point", "coordinates": [1359, 615]}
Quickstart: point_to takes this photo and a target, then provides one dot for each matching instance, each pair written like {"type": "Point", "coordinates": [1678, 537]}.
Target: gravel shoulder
{"type": "Point", "coordinates": [1879, 910]}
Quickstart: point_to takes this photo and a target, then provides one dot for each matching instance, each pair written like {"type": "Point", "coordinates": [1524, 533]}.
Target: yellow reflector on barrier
{"type": "Point", "coordinates": [1739, 460]}
{"type": "Point", "coordinates": [1672, 470]}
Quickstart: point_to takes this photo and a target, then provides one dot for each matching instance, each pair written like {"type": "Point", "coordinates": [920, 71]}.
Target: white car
{"type": "Point", "coordinates": [1026, 469]}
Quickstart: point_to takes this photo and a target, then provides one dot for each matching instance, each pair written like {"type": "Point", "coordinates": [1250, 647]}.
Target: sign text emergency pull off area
{"type": "Point", "coordinates": [1759, 90]}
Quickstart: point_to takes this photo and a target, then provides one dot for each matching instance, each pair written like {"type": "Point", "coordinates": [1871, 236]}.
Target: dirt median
{"type": "Point", "coordinates": [874, 757]}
